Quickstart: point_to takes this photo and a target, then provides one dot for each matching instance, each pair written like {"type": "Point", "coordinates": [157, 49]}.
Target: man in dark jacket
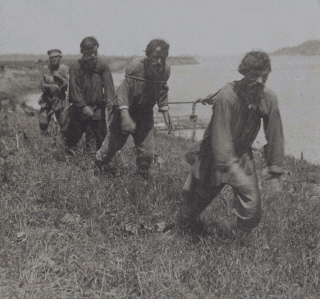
{"type": "Point", "coordinates": [225, 156]}
{"type": "Point", "coordinates": [91, 91]}
{"type": "Point", "coordinates": [145, 85]}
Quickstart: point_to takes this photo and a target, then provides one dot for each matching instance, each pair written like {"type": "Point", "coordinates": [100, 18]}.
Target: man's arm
{"type": "Point", "coordinates": [128, 85]}
{"type": "Point", "coordinates": [45, 86]}
{"type": "Point", "coordinates": [163, 98]}
{"type": "Point", "coordinates": [62, 75]}
{"type": "Point", "coordinates": [164, 107]}
{"type": "Point", "coordinates": [274, 149]}
{"type": "Point", "coordinates": [127, 123]}
{"type": "Point", "coordinates": [163, 95]}
{"type": "Point", "coordinates": [121, 102]}
{"type": "Point", "coordinates": [108, 86]}
{"type": "Point", "coordinates": [221, 137]}
{"type": "Point", "coordinates": [121, 98]}
{"type": "Point", "coordinates": [168, 121]}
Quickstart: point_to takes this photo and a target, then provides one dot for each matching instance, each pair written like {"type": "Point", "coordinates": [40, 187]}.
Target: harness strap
{"type": "Point", "coordinates": [142, 79]}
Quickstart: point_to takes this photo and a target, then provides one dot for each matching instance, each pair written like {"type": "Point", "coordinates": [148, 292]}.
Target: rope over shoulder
{"type": "Point", "coordinates": [143, 80]}
{"type": "Point", "coordinates": [207, 100]}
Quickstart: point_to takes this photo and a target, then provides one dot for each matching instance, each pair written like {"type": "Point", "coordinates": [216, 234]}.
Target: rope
{"type": "Point", "coordinates": [207, 100]}
{"type": "Point", "coordinates": [142, 79]}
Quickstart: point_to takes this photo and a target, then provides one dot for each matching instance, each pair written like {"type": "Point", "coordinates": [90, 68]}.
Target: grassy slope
{"type": "Point", "coordinates": [67, 232]}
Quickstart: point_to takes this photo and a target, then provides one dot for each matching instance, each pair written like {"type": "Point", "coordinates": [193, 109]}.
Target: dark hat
{"type": "Point", "coordinates": [54, 53]}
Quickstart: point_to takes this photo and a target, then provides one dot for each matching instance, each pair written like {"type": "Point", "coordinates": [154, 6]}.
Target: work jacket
{"type": "Point", "coordinates": [54, 98]}
{"type": "Point", "coordinates": [230, 134]}
{"type": "Point", "coordinates": [140, 95]}
{"type": "Point", "coordinates": [93, 88]}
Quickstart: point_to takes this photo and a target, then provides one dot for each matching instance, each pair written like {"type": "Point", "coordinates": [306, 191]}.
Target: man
{"type": "Point", "coordinates": [225, 155]}
{"type": "Point", "coordinates": [54, 85]}
{"type": "Point", "coordinates": [91, 91]}
{"type": "Point", "coordinates": [145, 84]}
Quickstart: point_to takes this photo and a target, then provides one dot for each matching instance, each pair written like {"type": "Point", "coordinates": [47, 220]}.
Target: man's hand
{"type": "Point", "coordinates": [238, 177]}
{"type": "Point", "coordinates": [53, 89]}
{"type": "Point", "coordinates": [56, 74]}
{"type": "Point", "coordinates": [171, 128]}
{"type": "Point", "coordinates": [127, 123]}
{"type": "Point", "coordinates": [274, 184]}
{"type": "Point", "coordinates": [108, 104]}
{"type": "Point", "coordinates": [168, 121]}
{"type": "Point", "coordinates": [88, 111]}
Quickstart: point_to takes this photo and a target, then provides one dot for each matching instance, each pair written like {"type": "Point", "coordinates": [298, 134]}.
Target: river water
{"type": "Point", "coordinates": [295, 80]}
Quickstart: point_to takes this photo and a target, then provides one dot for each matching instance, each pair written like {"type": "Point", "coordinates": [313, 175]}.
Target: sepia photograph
{"type": "Point", "coordinates": [159, 149]}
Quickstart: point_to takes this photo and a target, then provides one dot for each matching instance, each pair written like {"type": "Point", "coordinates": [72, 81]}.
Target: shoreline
{"type": "Point", "coordinates": [21, 77]}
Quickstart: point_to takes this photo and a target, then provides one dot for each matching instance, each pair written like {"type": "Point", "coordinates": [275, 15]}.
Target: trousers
{"type": "Point", "coordinates": [78, 124]}
{"type": "Point", "coordinates": [143, 139]}
{"type": "Point", "coordinates": [246, 205]}
{"type": "Point", "coordinates": [46, 114]}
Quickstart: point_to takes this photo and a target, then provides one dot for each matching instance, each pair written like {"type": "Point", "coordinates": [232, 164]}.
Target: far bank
{"type": "Point", "coordinates": [21, 74]}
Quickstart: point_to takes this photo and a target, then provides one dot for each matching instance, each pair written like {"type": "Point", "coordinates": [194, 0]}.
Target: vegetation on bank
{"type": "Point", "coordinates": [308, 48]}
{"type": "Point", "coordinates": [20, 83]}
{"type": "Point", "coordinates": [68, 231]}
{"type": "Point", "coordinates": [117, 63]}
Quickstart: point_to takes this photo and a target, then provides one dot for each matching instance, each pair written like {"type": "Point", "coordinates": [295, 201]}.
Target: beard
{"type": "Point", "coordinates": [154, 71]}
{"type": "Point", "coordinates": [254, 94]}
{"type": "Point", "coordinates": [89, 63]}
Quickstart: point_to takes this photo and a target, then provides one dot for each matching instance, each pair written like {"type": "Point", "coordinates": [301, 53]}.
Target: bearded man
{"type": "Point", "coordinates": [54, 85]}
{"type": "Point", "coordinates": [91, 91]}
{"type": "Point", "coordinates": [145, 84]}
{"type": "Point", "coordinates": [225, 155]}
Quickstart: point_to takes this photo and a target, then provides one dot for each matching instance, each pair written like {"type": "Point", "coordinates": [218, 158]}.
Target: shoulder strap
{"type": "Point", "coordinates": [142, 79]}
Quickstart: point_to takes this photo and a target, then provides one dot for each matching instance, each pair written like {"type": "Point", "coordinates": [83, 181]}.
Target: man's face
{"type": "Point", "coordinates": [256, 79]}
{"type": "Point", "coordinates": [156, 63]}
{"type": "Point", "coordinates": [90, 56]}
{"type": "Point", "coordinates": [54, 61]}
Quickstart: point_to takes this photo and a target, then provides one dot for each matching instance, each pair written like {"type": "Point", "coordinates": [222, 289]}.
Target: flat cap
{"type": "Point", "coordinates": [54, 53]}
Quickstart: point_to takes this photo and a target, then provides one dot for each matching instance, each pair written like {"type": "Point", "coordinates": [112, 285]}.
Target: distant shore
{"type": "Point", "coordinates": [20, 74]}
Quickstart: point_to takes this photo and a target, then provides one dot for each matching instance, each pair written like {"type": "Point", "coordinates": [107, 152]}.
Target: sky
{"type": "Point", "coordinates": [124, 27]}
